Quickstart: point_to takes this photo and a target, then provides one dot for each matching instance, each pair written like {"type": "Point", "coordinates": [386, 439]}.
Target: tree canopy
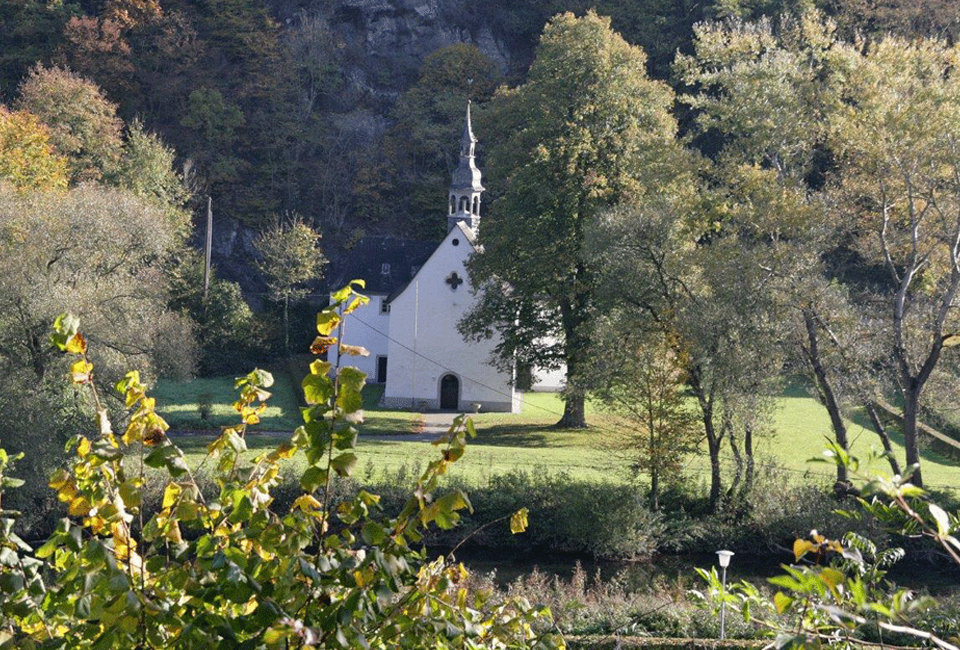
{"type": "Point", "coordinates": [587, 130]}
{"type": "Point", "coordinates": [27, 159]}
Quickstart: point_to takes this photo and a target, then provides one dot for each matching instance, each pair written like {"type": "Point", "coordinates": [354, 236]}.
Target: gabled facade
{"type": "Point", "coordinates": [410, 327]}
{"type": "Point", "coordinates": [430, 365]}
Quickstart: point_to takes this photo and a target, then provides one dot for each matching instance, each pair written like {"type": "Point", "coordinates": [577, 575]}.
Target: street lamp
{"type": "Point", "coordinates": [724, 557]}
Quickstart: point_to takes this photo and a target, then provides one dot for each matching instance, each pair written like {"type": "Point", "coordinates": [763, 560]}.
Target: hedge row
{"type": "Point", "coordinates": [654, 643]}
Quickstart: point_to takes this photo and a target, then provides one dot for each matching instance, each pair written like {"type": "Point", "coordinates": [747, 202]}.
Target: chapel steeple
{"type": "Point", "coordinates": [465, 187]}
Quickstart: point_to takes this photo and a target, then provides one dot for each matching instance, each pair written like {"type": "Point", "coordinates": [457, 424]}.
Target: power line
{"type": "Point", "coordinates": [729, 464]}
{"type": "Point", "coordinates": [443, 367]}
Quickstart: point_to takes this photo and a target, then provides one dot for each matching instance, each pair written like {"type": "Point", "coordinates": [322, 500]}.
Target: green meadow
{"type": "Point", "coordinates": [389, 440]}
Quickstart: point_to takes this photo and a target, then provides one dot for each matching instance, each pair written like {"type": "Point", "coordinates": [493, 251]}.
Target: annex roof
{"type": "Point", "coordinates": [386, 264]}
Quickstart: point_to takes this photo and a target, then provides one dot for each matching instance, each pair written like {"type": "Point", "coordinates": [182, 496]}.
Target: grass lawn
{"type": "Point", "coordinates": [525, 441]}
{"type": "Point", "coordinates": [180, 402]}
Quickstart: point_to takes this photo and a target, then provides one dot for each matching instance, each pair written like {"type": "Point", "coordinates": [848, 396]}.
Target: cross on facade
{"type": "Point", "coordinates": [454, 280]}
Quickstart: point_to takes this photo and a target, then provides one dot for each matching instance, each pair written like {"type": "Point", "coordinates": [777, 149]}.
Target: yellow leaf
{"type": "Point", "coordinates": [96, 524]}
{"type": "Point", "coordinates": [173, 533]}
{"type": "Point", "coordinates": [134, 432]}
{"type": "Point", "coordinates": [801, 547]}
{"type": "Point", "coordinates": [518, 521]}
{"type": "Point", "coordinates": [357, 302]}
{"type": "Point", "coordinates": [79, 507]}
{"type": "Point", "coordinates": [77, 344]}
{"type": "Point", "coordinates": [832, 577]}
{"type": "Point", "coordinates": [80, 371]}
{"type": "Point", "coordinates": [327, 321]}
{"type": "Point", "coordinates": [170, 494]}
{"type": "Point", "coordinates": [284, 450]}
{"type": "Point", "coordinates": [782, 601]}
{"type": "Point", "coordinates": [83, 448]}
{"type": "Point", "coordinates": [307, 503]}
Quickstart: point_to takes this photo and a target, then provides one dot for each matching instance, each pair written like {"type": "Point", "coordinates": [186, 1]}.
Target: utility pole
{"type": "Point", "coordinates": [208, 249]}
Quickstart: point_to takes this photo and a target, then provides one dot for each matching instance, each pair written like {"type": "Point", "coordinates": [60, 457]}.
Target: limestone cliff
{"type": "Point", "coordinates": [380, 46]}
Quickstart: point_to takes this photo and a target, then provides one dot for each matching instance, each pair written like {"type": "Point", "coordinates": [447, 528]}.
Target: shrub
{"type": "Point", "coordinates": [223, 570]}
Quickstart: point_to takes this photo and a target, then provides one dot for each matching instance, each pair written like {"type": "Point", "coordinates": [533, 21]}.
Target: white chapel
{"type": "Point", "coordinates": [418, 294]}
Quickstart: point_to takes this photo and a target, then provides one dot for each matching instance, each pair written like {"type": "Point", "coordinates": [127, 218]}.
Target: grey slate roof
{"type": "Point", "coordinates": [466, 176]}
{"type": "Point", "coordinates": [385, 263]}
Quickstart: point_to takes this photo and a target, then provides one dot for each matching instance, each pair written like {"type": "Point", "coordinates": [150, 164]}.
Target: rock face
{"type": "Point", "coordinates": [405, 31]}
{"type": "Point", "coordinates": [384, 43]}
{"type": "Point", "coordinates": [381, 46]}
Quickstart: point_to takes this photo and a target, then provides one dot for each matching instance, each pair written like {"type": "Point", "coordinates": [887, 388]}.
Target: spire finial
{"type": "Point", "coordinates": [467, 141]}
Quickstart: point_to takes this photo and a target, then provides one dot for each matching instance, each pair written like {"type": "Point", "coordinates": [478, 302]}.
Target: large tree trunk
{"type": "Point", "coordinates": [912, 383]}
{"type": "Point", "coordinates": [728, 430]}
{"type": "Point", "coordinates": [714, 439]}
{"type": "Point", "coordinates": [748, 452]}
{"type": "Point", "coordinates": [881, 432]}
{"type": "Point", "coordinates": [827, 396]}
{"type": "Point", "coordinates": [573, 315]}
{"type": "Point", "coordinates": [574, 416]}
{"type": "Point", "coordinates": [911, 404]}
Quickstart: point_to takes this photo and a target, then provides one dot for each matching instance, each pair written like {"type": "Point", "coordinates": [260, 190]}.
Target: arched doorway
{"type": "Point", "coordinates": [449, 392]}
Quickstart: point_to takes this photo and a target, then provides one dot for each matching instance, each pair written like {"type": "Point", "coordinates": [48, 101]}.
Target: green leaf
{"type": "Point", "coordinates": [350, 401]}
{"type": "Point", "coordinates": [313, 478]}
{"type": "Point", "coordinates": [786, 582]}
{"type": "Point", "coordinates": [64, 329]}
{"type": "Point", "coordinates": [343, 464]}
{"type": "Point", "coordinates": [317, 389]}
{"type": "Point", "coordinates": [373, 533]}
{"type": "Point", "coordinates": [352, 379]}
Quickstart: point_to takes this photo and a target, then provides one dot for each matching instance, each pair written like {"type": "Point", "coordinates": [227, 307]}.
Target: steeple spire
{"type": "Point", "coordinates": [467, 140]}
{"type": "Point", "coordinates": [465, 187]}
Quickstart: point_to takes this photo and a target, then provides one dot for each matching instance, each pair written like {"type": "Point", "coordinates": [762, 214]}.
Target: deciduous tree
{"type": "Point", "coordinates": [897, 140]}
{"type": "Point", "coordinates": [642, 381]}
{"type": "Point", "coordinates": [586, 131]}
{"type": "Point", "coordinates": [290, 258]}
{"type": "Point", "coordinates": [27, 159]}
{"type": "Point", "coordinates": [770, 90]}
{"type": "Point", "coordinates": [83, 124]}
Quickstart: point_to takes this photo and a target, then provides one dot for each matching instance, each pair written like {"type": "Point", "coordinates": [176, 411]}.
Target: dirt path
{"type": "Point", "coordinates": [430, 427]}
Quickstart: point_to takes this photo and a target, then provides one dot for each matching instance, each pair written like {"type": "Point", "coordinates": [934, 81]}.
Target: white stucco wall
{"type": "Point", "coordinates": [367, 327]}
{"type": "Point", "coordinates": [549, 381]}
{"type": "Point", "coordinates": [425, 344]}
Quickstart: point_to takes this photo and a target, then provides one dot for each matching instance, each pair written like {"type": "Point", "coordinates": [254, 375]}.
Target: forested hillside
{"type": "Point", "coordinates": [345, 112]}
